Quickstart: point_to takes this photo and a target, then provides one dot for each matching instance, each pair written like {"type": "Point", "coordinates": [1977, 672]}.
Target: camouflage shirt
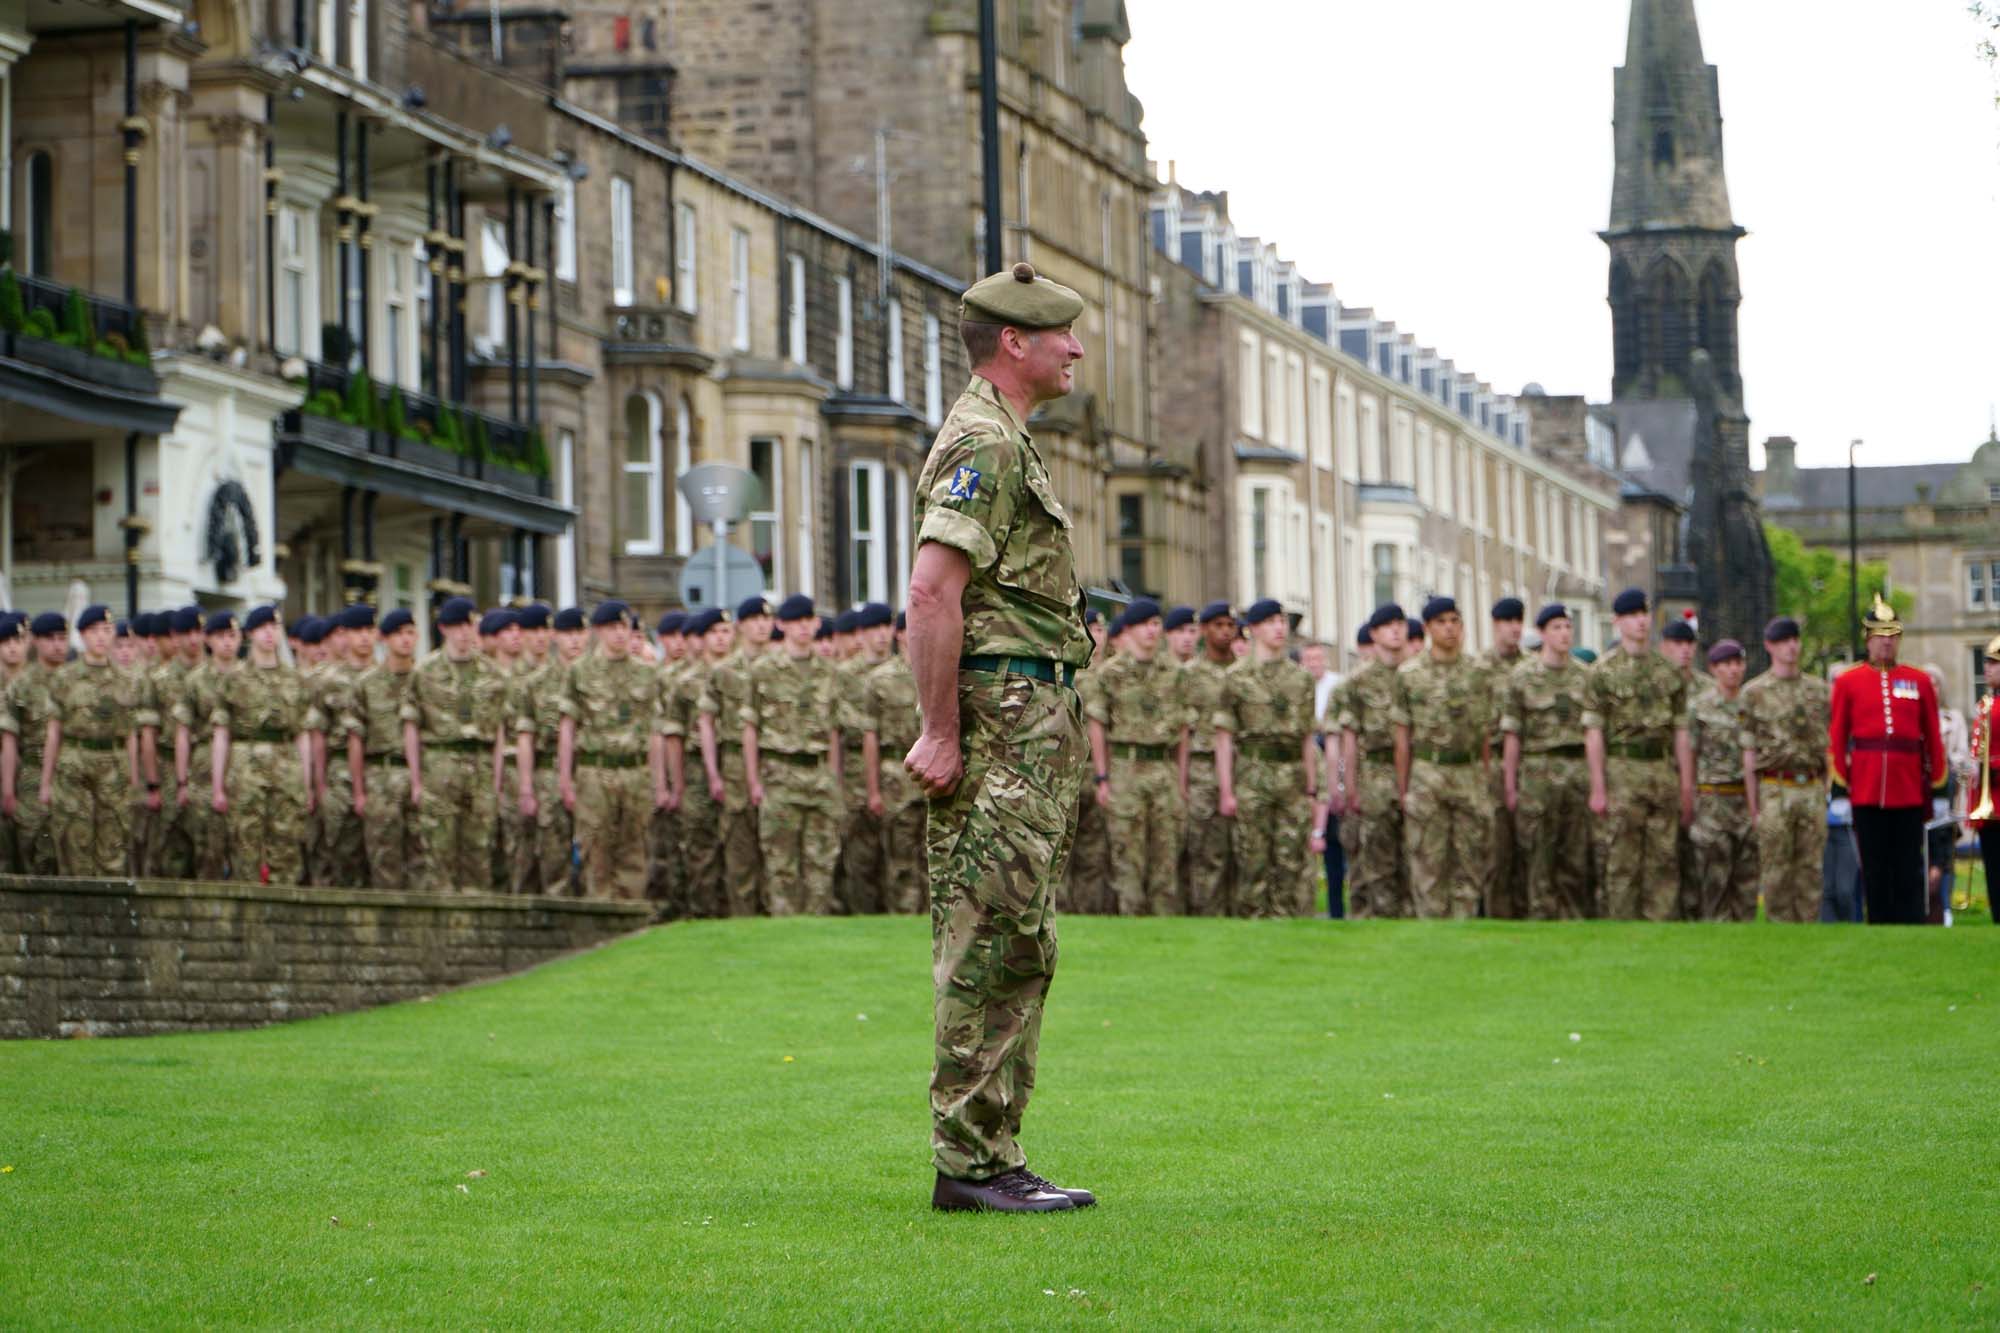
{"type": "Point", "coordinates": [1367, 703]}
{"type": "Point", "coordinates": [534, 704]}
{"type": "Point", "coordinates": [1785, 722]}
{"type": "Point", "coordinates": [1140, 703]}
{"type": "Point", "coordinates": [614, 702]}
{"type": "Point", "coordinates": [1714, 724]}
{"type": "Point", "coordinates": [851, 680]}
{"type": "Point", "coordinates": [29, 706]}
{"type": "Point", "coordinates": [1543, 704]}
{"type": "Point", "coordinates": [1266, 703]}
{"type": "Point", "coordinates": [793, 702]}
{"type": "Point", "coordinates": [680, 695]}
{"type": "Point", "coordinates": [889, 707]}
{"type": "Point", "coordinates": [1446, 705]}
{"type": "Point", "coordinates": [725, 693]}
{"type": "Point", "coordinates": [99, 703]}
{"type": "Point", "coordinates": [260, 703]}
{"type": "Point", "coordinates": [196, 706]}
{"type": "Point", "coordinates": [456, 701]}
{"type": "Point", "coordinates": [985, 491]}
{"type": "Point", "coordinates": [1201, 692]}
{"type": "Point", "coordinates": [375, 709]}
{"type": "Point", "coordinates": [1635, 700]}
{"type": "Point", "coordinates": [165, 683]}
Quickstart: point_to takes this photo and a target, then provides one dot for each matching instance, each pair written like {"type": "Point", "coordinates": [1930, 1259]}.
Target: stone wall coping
{"type": "Point", "coordinates": [296, 893]}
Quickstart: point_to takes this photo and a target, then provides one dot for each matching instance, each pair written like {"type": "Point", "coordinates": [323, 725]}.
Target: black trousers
{"type": "Point", "coordinates": [1891, 842]}
{"type": "Point", "coordinates": [1989, 852]}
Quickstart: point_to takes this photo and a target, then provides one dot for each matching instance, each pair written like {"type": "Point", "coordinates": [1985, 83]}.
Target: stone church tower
{"type": "Point", "coordinates": [1677, 385]}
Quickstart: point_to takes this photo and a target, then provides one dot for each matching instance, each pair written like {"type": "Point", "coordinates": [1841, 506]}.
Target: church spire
{"type": "Point", "coordinates": [1668, 116]}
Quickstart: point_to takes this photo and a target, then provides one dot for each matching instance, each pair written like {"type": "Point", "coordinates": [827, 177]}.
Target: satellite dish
{"type": "Point", "coordinates": [703, 584]}
{"type": "Point", "coordinates": [721, 492]}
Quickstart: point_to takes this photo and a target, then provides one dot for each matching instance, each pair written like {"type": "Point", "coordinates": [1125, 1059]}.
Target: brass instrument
{"type": "Point", "coordinates": [1984, 810]}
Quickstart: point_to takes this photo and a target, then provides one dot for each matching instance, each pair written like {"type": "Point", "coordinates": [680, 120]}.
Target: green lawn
{"type": "Point", "coordinates": [1289, 1123]}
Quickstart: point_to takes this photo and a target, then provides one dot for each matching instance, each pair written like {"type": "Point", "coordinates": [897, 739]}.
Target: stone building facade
{"type": "Point", "coordinates": [1347, 464]}
{"type": "Point", "coordinates": [1937, 528]}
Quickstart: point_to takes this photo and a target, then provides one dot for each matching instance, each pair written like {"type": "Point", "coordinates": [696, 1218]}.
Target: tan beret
{"type": "Point", "coordinates": [1021, 298]}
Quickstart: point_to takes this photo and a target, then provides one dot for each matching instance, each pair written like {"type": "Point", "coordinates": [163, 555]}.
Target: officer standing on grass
{"type": "Point", "coordinates": [996, 635]}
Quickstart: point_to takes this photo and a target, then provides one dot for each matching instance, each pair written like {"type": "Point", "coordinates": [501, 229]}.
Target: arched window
{"type": "Point", "coordinates": [1673, 332]}
{"type": "Point", "coordinates": [39, 250]}
{"type": "Point", "coordinates": [642, 508]}
{"type": "Point", "coordinates": [1624, 324]}
{"type": "Point", "coordinates": [1716, 332]}
{"type": "Point", "coordinates": [683, 460]}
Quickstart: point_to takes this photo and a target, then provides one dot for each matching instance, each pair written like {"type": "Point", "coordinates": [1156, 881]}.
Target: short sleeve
{"type": "Point", "coordinates": [1508, 697]}
{"type": "Point", "coordinates": [1593, 700]}
{"type": "Point", "coordinates": [1399, 702]}
{"type": "Point", "coordinates": [971, 501]}
{"type": "Point", "coordinates": [568, 702]}
{"type": "Point", "coordinates": [1224, 718]}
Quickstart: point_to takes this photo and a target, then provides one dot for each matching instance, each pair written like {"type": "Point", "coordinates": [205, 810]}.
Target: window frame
{"type": "Point", "coordinates": [566, 232]}
{"type": "Point", "coordinates": [869, 476]}
{"type": "Point", "coordinates": [739, 289]}
{"type": "Point", "coordinates": [795, 308]}
{"type": "Point", "coordinates": [645, 473]}
{"type": "Point", "coordinates": [624, 276]}
{"type": "Point", "coordinates": [683, 460]}
{"type": "Point", "coordinates": [843, 343]}
{"type": "Point", "coordinates": [892, 333]}
{"type": "Point", "coordinates": [933, 372]}
{"type": "Point", "coordinates": [687, 273]}
{"type": "Point", "coordinates": [772, 517]}
{"type": "Point", "coordinates": [297, 258]}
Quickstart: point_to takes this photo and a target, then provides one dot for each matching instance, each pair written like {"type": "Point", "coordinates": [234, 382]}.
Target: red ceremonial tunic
{"type": "Point", "coordinates": [1887, 745]}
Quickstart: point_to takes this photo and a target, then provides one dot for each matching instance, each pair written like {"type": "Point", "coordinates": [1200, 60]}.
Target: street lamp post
{"type": "Point", "coordinates": [1853, 562]}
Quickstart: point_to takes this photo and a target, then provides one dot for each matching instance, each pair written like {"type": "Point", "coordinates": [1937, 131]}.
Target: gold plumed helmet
{"type": "Point", "coordinates": [1993, 649]}
{"type": "Point", "coordinates": [1882, 619]}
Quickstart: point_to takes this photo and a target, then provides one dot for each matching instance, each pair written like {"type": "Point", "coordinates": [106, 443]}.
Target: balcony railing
{"type": "Point", "coordinates": [68, 329]}
{"type": "Point", "coordinates": [395, 422]}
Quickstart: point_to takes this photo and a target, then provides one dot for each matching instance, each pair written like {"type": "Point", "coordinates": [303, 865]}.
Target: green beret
{"type": "Point", "coordinates": [1020, 298]}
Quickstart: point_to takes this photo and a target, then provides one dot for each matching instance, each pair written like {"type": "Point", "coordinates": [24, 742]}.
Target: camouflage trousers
{"type": "Point", "coordinates": [1723, 859]}
{"type": "Point", "coordinates": [903, 819]}
{"type": "Point", "coordinates": [797, 834]}
{"type": "Point", "coordinates": [666, 869]}
{"type": "Point", "coordinates": [614, 811]}
{"type": "Point", "coordinates": [996, 849]}
{"type": "Point", "coordinates": [208, 836]}
{"type": "Point", "coordinates": [92, 812]}
{"type": "Point", "coordinates": [163, 847]}
{"type": "Point", "coordinates": [34, 823]}
{"type": "Point", "coordinates": [1636, 840]}
{"type": "Point", "coordinates": [736, 830]}
{"type": "Point", "coordinates": [1088, 887]}
{"type": "Point", "coordinates": [1148, 823]}
{"type": "Point", "coordinates": [1375, 882]}
{"type": "Point", "coordinates": [264, 831]}
{"type": "Point", "coordinates": [388, 826]}
{"type": "Point", "coordinates": [1504, 892]}
{"type": "Point", "coordinates": [701, 844]}
{"type": "Point", "coordinates": [1791, 847]}
{"type": "Point", "coordinates": [858, 880]}
{"type": "Point", "coordinates": [1551, 823]}
{"type": "Point", "coordinates": [1205, 865]}
{"type": "Point", "coordinates": [1268, 839]}
{"type": "Point", "coordinates": [343, 861]}
{"type": "Point", "coordinates": [455, 822]}
{"type": "Point", "coordinates": [1447, 837]}
{"type": "Point", "coordinates": [543, 863]}
{"type": "Point", "coordinates": [507, 834]}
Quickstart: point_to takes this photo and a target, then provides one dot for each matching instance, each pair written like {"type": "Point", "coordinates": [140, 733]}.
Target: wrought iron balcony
{"type": "Point", "coordinates": [77, 356]}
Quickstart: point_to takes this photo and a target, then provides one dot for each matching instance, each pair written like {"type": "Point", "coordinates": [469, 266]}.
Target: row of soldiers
{"type": "Point", "coordinates": [1545, 784]}
{"type": "Point", "coordinates": [535, 751]}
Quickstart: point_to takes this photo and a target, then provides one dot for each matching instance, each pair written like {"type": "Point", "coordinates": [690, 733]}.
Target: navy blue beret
{"type": "Point", "coordinates": [570, 617]}
{"type": "Point", "coordinates": [1781, 629]}
{"type": "Point", "coordinates": [825, 630]}
{"type": "Point", "coordinates": [122, 630]}
{"type": "Point", "coordinates": [1553, 611]}
{"type": "Point", "coordinates": [224, 619]}
{"type": "Point", "coordinates": [776, 635]}
{"type": "Point", "coordinates": [1509, 608]}
{"type": "Point", "coordinates": [141, 624]}
{"type": "Point", "coordinates": [796, 607]}
{"type": "Point", "coordinates": [1628, 602]}
{"type": "Point", "coordinates": [497, 619]}
{"type": "Point", "coordinates": [1364, 637]}
{"type": "Point", "coordinates": [260, 616]}
{"type": "Point", "coordinates": [1415, 627]}
{"type": "Point", "coordinates": [1215, 611]}
{"type": "Point", "coordinates": [49, 622]}
{"type": "Point", "coordinates": [1140, 610]}
{"type": "Point", "coordinates": [1261, 611]}
{"type": "Point", "coordinates": [1678, 631]}
{"type": "Point", "coordinates": [186, 620]}
{"type": "Point", "coordinates": [358, 616]}
{"type": "Point", "coordinates": [671, 623]}
{"type": "Point", "coordinates": [94, 614]}
{"type": "Point", "coordinates": [874, 615]}
{"type": "Point", "coordinates": [535, 615]}
{"type": "Point", "coordinates": [456, 611]}
{"type": "Point", "coordinates": [1386, 614]}
{"type": "Point", "coordinates": [11, 624]}
{"type": "Point", "coordinates": [396, 619]}
{"type": "Point", "coordinates": [1177, 617]}
{"type": "Point", "coordinates": [1438, 606]}
{"type": "Point", "coordinates": [752, 606]}
{"type": "Point", "coordinates": [608, 612]}
{"type": "Point", "coordinates": [1117, 626]}
{"type": "Point", "coordinates": [1091, 617]}
{"type": "Point", "coordinates": [701, 622]}
{"type": "Point", "coordinates": [310, 629]}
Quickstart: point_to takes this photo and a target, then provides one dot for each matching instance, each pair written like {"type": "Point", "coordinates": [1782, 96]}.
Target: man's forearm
{"type": "Point", "coordinates": [936, 634]}
{"type": "Point", "coordinates": [1402, 759]}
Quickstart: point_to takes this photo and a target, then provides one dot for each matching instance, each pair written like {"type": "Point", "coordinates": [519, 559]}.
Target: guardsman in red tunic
{"type": "Point", "coordinates": [1982, 779]}
{"type": "Point", "coordinates": [1888, 748]}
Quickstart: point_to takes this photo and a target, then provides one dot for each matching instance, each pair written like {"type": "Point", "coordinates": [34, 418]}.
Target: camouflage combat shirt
{"type": "Point", "coordinates": [1367, 705]}
{"type": "Point", "coordinates": [793, 702]}
{"type": "Point", "coordinates": [1266, 703]}
{"type": "Point", "coordinates": [1715, 725]}
{"type": "Point", "coordinates": [1635, 700]}
{"type": "Point", "coordinates": [985, 491]}
{"type": "Point", "coordinates": [260, 703]}
{"type": "Point", "coordinates": [614, 702]}
{"type": "Point", "coordinates": [889, 707]}
{"type": "Point", "coordinates": [534, 704]}
{"type": "Point", "coordinates": [1786, 721]}
{"type": "Point", "coordinates": [1139, 703]}
{"type": "Point", "coordinates": [1201, 694]}
{"type": "Point", "coordinates": [375, 709]}
{"type": "Point", "coordinates": [1543, 704]}
{"type": "Point", "coordinates": [99, 702]}
{"type": "Point", "coordinates": [456, 701]}
{"type": "Point", "coordinates": [1446, 705]}
{"type": "Point", "coordinates": [30, 705]}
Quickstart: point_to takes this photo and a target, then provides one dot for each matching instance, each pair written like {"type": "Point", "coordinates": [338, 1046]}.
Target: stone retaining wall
{"type": "Point", "coordinates": [125, 958]}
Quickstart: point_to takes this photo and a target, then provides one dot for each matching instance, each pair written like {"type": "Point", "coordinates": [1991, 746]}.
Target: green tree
{"type": "Point", "coordinates": [1811, 586]}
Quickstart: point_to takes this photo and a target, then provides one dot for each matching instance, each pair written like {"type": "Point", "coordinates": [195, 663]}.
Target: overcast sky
{"type": "Point", "coordinates": [1448, 162]}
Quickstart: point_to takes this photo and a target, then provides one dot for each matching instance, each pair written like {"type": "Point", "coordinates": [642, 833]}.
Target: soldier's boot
{"type": "Point", "coordinates": [1081, 1198]}
{"type": "Point", "coordinates": [1014, 1191]}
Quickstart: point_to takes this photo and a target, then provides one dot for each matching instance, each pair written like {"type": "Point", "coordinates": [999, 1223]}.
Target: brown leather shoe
{"type": "Point", "coordinates": [1009, 1192]}
{"type": "Point", "coordinates": [1081, 1198]}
